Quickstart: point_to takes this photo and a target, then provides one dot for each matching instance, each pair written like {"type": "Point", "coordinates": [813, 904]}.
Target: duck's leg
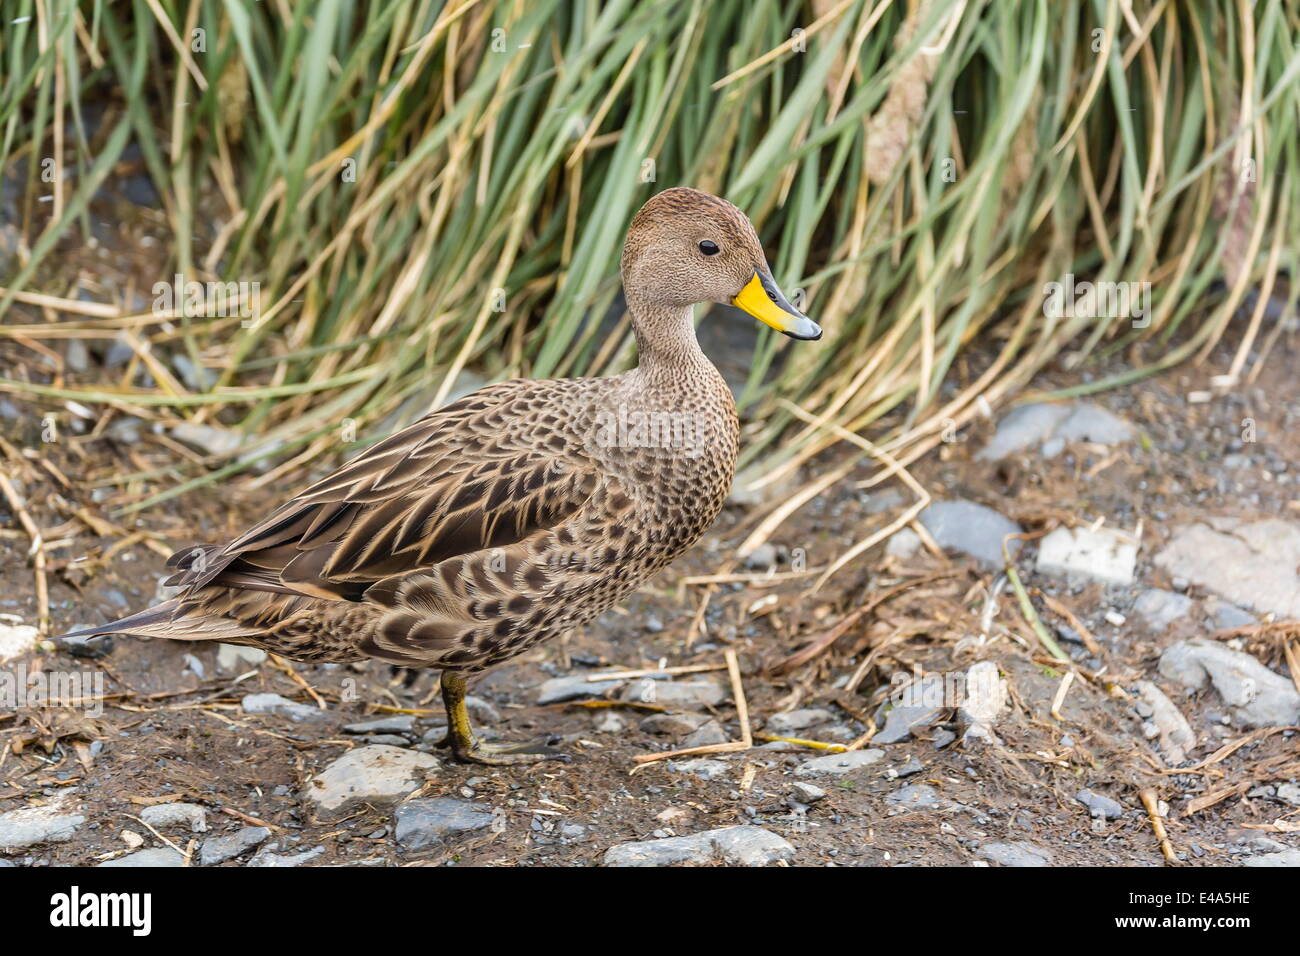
{"type": "Point", "coordinates": [466, 747]}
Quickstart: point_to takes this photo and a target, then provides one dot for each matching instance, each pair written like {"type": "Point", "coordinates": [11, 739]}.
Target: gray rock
{"type": "Point", "coordinates": [1015, 853]}
{"type": "Point", "coordinates": [396, 724]}
{"type": "Point", "coordinates": [1285, 858]}
{"type": "Point", "coordinates": [1256, 696]}
{"type": "Point", "coordinates": [32, 826]}
{"type": "Point", "coordinates": [172, 814]}
{"type": "Point", "coordinates": [734, 846]}
{"type": "Point", "coordinates": [1103, 555]}
{"type": "Point", "coordinates": [427, 822]}
{"type": "Point", "coordinates": [222, 848]}
{"type": "Point", "coordinates": [1227, 616]}
{"type": "Point", "coordinates": [1092, 423]}
{"type": "Point", "coordinates": [839, 764]}
{"type": "Point", "coordinates": [808, 792]}
{"type": "Point", "coordinates": [1177, 739]}
{"type": "Point", "coordinates": [710, 732]}
{"type": "Point", "coordinates": [696, 694]}
{"type": "Point", "coordinates": [1251, 564]}
{"type": "Point", "coordinates": [377, 775]}
{"type": "Point", "coordinates": [673, 725]}
{"type": "Point", "coordinates": [919, 704]}
{"type": "Point", "coordinates": [1023, 426]}
{"type": "Point", "coordinates": [970, 528]}
{"type": "Point", "coordinates": [1289, 793]}
{"type": "Point", "coordinates": [762, 557]}
{"type": "Point", "coordinates": [267, 857]}
{"type": "Point", "coordinates": [559, 689]}
{"type": "Point", "coordinates": [1160, 608]}
{"type": "Point", "coordinates": [160, 856]}
{"type": "Point", "coordinates": [796, 720]}
{"type": "Point", "coordinates": [1100, 805]}
{"type": "Point", "coordinates": [912, 766]}
{"type": "Point", "coordinates": [278, 706]}
{"type": "Point", "coordinates": [919, 796]}
{"type": "Point", "coordinates": [903, 543]}
{"type": "Point", "coordinates": [208, 439]}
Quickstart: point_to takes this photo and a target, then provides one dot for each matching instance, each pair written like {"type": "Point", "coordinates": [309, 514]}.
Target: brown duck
{"type": "Point", "coordinates": [514, 514]}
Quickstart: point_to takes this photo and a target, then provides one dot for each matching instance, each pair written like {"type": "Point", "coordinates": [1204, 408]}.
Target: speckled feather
{"type": "Point", "coordinates": [509, 516]}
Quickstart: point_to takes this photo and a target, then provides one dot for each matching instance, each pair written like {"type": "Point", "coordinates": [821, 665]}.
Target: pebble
{"type": "Point", "coordinates": [16, 640]}
{"type": "Point", "coordinates": [985, 700]}
{"type": "Point", "coordinates": [1256, 696]}
{"type": "Point", "coordinates": [673, 725]}
{"type": "Point", "coordinates": [796, 720]}
{"type": "Point", "coordinates": [912, 766]}
{"type": "Point", "coordinates": [559, 689]}
{"type": "Point", "coordinates": [686, 695]}
{"type": "Point", "coordinates": [903, 543]}
{"type": "Point", "coordinates": [734, 846]}
{"type": "Point", "coordinates": [1289, 793]}
{"type": "Point", "coordinates": [1053, 426]}
{"type": "Point", "coordinates": [1227, 616]}
{"type": "Point", "coordinates": [702, 768]}
{"type": "Point", "coordinates": [171, 814]}
{"type": "Point", "coordinates": [918, 705]}
{"type": "Point", "coordinates": [222, 848]}
{"type": "Point", "coordinates": [1015, 853]}
{"type": "Point", "coordinates": [433, 821]}
{"type": "Point", "coordinates": [971, 529]}
{"type": "Point", "coordinates": [1177, 739]}
{"type": "Point", "coordinates": [610, 723]}
{"type": "Point", "coordinates": [87, 648]}
{"type": "Point", "coordinates": [1160, 608]}
{"type": "Point", "coordinates": [839, 764]}
{"type": "Point", "coordinates": [267, 857]}
{"type": "Point", "coordinates": [397, 724]}
{"type": "Point", "coordinates": [159, 856]}
{"type": "Point", "coordinates": [1099, 805]}
{"type": "Point", "coordinates": [31, 826]}
{"type": "Point", "coordinates": [1250, 564]}
{"type": "Point", "coordinates": [808, 792]}
{"type": "Point", "coordinates": [279, 706]}
{"type": "Point", "coordinates": [375, 774]}
{"type": "Point", "coordinates": [1284, 858]}
{"type": "Point", "coordinates": [919, 796]}
{"type": "Point", "coordinates": [710, 732]}
{"type": "Point", "coordinates": [209, 439]}
{"type": "Point", "coordinates": [1103, 555]}
{"type": "Point", "coordinates": [231, 658]}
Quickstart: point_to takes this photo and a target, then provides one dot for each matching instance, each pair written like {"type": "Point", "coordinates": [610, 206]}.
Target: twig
{"type": "Point", "coordinates": [646, 672]}
{"type": "Point", "coordinates": [1031, 616]}
{"type": "Point", "coordinates": [746, 740]}
{"type": "Point", "coordinates": [281, 663]}
{"type": "Point", "coordinates": [1152, 804]}
{"type": "Point", "coordinates": [37, 552]}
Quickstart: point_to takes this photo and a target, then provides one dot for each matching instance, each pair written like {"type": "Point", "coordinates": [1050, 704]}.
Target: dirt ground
{"type": "Point", "coordinates": [172, 726]}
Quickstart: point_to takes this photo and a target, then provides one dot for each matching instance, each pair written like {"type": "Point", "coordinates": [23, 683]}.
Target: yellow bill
{"type": "Point", "coordinates": [764, 301]}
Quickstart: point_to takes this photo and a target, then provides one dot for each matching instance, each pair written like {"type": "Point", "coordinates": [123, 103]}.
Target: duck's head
{"type": "Point", "coordinates": [685, 246]}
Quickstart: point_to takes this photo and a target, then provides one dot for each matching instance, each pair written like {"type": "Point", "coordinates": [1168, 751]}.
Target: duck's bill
{"type": "Point", "coordinates": [764, 301]}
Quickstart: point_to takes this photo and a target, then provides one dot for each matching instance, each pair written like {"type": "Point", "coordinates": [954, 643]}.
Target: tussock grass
{"type": "Point", "coordinates": [393, 173]}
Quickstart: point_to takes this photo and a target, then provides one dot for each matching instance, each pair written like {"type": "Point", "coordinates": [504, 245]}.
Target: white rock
{"type": "Point", "coordinates": [16, 640]}
{"type": "Point", "coordinates": [377, 775]}
{"type": "Point", "coordinates": [839, 764]}
{"type": "Point", "coordinates": [235, 658]}
{"type": "Point", "coordinates": [169, 814]}
{"type": "Point", "coordinates": [1256, 696]}
{"type": "Point", "coordinates": [903, 543]}
{"type": "Point", "coordinates": [737, 846]}
{"type": "Point", "coordinates": [32, 826]}
{"type": "Point", "coordinates": [1253, 564]}
{"type": "Point", "coordinates": [985, 700]}
{"type": "Point", "coordinates": [1102, 555]}
{"type": "Point", "coordinates": [1177, 738]}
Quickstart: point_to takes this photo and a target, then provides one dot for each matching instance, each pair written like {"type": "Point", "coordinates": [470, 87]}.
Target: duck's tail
{"type": "Point", "coordinates": [152, 621]}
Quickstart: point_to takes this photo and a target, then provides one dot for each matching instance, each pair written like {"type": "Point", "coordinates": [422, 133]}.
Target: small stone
{"type": "Point", "coordinates": [1228, 617]}
{"type": "Point", "coordinates": [16, 640]}
{"type": "Point", "coordinates": [943, 738]}
{"type": "Point", "coordinates": [209, 439]}
{"type": "Point", "coordinates": [222, 848]}
{"type": "Point", "coordinates": [1092, 423]}
{"type": "Point", "coordinates": [685, 695]}
{"type": "Point", "coordinates": [839, 764]}
{"type": "Point", "coordinates": [278, 706]}
{"type": "Point", "coordinates": [159, 856]}
{"type": "Point", "coordinates": [610, 723]}
{"type": "Point", "coordinates": [434, 821]}
{"type": "Point", "coordinates": [32, 826]}
{"type": "Point", "coordinates": [266, 857]}
{"type": "Point", "coordinates": [808, 792]}
{"type": "Point", "coordinates": [1285, 858]}
{"type": "Point", "coordinates": [88, 648]}
{"type": "Point", "coordinates": [704, 769]}
{"type": "Point", "coordinates": [918, 705]}
{"type": "Point", "coordinates": [376, 775]}
{"type": "Point", "coordinates": [673, 725]}
{"type": "Point", "coordinates": [796, 720]}
{"type": "Point", "coordinates": [912, 766]}
{"type": "Point", "coordinates": [1016, 853]}
{"type": "Point", "coordinates": [1251, 564]}
{"type": "Point", "coordinates": [1021, 427]}
{"type": "Point", "coordinates": [971, 529]}
{"type": "Point", "coordinates": [1289, 793]}
{"type": "Point", "coordinates": [985, 700]}
{"type": "Point", "coordinates": [231, 658]}
{"type": "Point", "coordinates": [396, 724]}
{"type": "Point", "coordinates": [1160, 608]}
{"type": "Point", "coordinates": [1177, 739]}
{"type": "Point", "coordinates": [1256, 696]}
{"type": "Point", "coordinates": [710, 732]}
{"type": "Point", "coordinates": [735, 846]}
{"type": "Point", "coordinates": [903, 543]}
{"type": "Point", "coordinates": [559, 689]}
{"type": "Point", "coordinates": [1102, 555]}
{"type": "Point", "coordinates": [172, 814]}
{"type": "Point", "coordinates": [762, 557]}
{"type": "Point", "coordinates": [1099, 805]}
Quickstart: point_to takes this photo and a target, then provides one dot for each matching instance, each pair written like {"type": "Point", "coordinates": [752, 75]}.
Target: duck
{"type": "Point", "coordinates": [514, 514]}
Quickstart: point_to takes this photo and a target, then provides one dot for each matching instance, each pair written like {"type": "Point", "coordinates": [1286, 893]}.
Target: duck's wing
{"type": "Point", "coordinates": [486, 472]}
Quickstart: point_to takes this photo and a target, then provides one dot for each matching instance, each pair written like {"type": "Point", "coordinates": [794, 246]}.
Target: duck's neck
{"type": "Point", "coordinates": [666, 346]}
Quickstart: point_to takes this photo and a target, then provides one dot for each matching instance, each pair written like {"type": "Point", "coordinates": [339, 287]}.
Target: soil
{"type": "Point", "coordinates": [172, 726]}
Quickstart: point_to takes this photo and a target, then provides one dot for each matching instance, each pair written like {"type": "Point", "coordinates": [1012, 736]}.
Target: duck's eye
{"type": "Point", "coordinates": [709, 248]}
